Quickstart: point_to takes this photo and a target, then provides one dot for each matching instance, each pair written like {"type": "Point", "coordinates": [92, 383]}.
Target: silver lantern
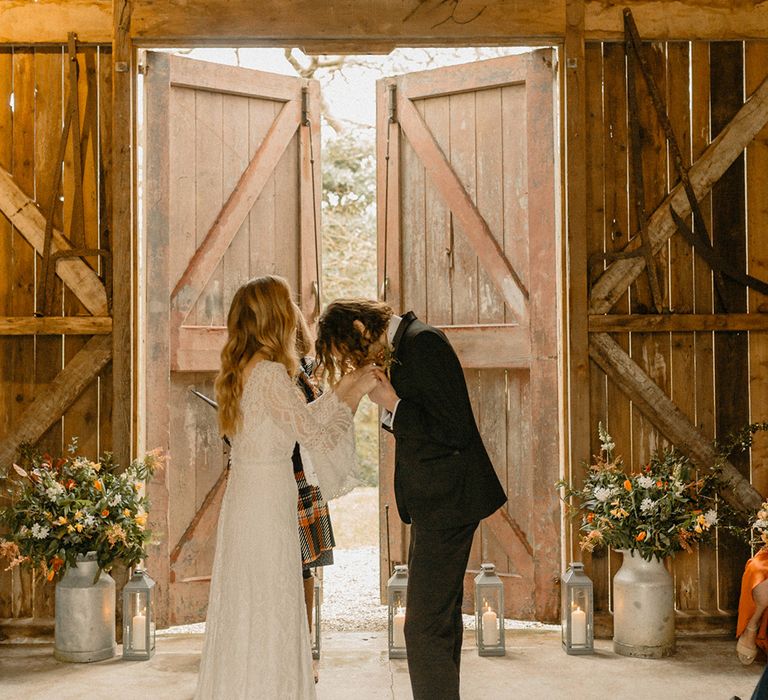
{"type": "Point", "coordinates": [397, 599]}
{"type": "Point", "coordinates": [139, 617]}
{"type": "Point", "coordinates": [315, 627]}
{"type": "Point", "coordinates": [577, 611]}
{"type": "Point", "coordinates": [489, 612]}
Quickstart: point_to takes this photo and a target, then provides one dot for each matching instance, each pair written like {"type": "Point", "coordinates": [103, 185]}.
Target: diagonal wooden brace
{"type": "Point", "coordinates": [707, 170]}
{"type": "Point", "coordinates": [670, 420]}
{"type": "Point", "coordinates": [52, 401]}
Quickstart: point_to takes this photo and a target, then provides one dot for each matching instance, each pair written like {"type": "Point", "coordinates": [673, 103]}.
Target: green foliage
{"type": "Point", "coordinates": [349, 216]}
{"type": "Point", "coordinates": [66, 506]}
{"type": "Point", "coordinates": [349, 254]}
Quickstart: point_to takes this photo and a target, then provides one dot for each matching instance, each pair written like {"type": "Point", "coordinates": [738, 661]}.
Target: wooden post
{"type": "Point", "coordinates": [730, 242]}
{"type": "Point", "coordinates": [577, 352]}
{"type": "Point", "coordinates": [122, 233]}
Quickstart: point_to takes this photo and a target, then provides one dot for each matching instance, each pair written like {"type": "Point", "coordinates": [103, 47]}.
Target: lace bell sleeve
{"type": "Point", "coordinates": [323, 428]}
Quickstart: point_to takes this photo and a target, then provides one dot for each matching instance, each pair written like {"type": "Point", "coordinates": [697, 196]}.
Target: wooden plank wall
{"type": "Point", "coordinates": [33, 94]}
{"type": "Point", "coordinates": [717, 379]}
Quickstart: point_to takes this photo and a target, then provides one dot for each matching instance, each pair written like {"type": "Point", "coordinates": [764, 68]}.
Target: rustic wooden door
{"type": "Point", "coordinates": [227, 195]}
{"type": "Point", "coordinates": [469, 239]}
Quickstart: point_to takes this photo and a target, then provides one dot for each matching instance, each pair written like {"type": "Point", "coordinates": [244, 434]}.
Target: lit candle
{"type": "Point", "coordinates": [139, 639]}
{"type": "Point", "coordinates": [578, 627]}
{"type": "Point", "coordinates": [490, 627]}
{"type": "Point", "coordinates": [398, 630]}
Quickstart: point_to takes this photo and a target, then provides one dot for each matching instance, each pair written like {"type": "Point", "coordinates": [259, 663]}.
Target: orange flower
{"type": "Point", "coordinates": [70, 484]}
{"type": "Point", "coordinates": [126, 512]}
{"type": "Point", "coordinates": [62, 520]}
{"type": "Point", "coordinates": [97, 485]}
{"type": "Point", "coordinates": [659, 483]}
{"type": "Point", "coordinates": [640, 537]}
{"type": "Point", "coordinates": [590, 517]}
{"type": "Point", "coordinates": [105, 512]}
{"type": "Point", "coordinates": [56, 564]}
{"type": "Point", "coordinates": [627, 484]}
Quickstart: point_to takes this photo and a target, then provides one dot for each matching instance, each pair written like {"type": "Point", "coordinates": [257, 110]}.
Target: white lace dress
{"type": "Point", "coordinates": [257, 638]}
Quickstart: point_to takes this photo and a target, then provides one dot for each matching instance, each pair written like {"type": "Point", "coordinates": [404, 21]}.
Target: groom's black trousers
{"type": "Point", "coordinates": [437, 561]}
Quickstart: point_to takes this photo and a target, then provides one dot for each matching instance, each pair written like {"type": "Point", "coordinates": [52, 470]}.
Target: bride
{"type": "Point", "coordinates": [257, 639]}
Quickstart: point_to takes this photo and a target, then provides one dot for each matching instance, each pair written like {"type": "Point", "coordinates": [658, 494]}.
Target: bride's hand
{"type": "Point", "coordinates": [356, 384]}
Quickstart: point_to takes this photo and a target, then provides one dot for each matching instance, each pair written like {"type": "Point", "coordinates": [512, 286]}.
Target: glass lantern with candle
{"type": "Point", "coordinates": [315, 629]}
{"type": "Point", "coordinates": [138, 617]}
{"type": "Point", "coordinates": [397, 589]}
{"type": "Point", "coordinates": [577, 611]}
{"type": "Point", "coordinates": [489, 612]}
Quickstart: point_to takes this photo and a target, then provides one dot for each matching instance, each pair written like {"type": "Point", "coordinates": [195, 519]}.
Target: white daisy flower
{"type": "Point", "coordinates": [602, 493]}
{"type": "Point", "coordinates": [711, 517]}
{"type": "Point", "coordinates": [645, 482]}
{"type": "Point", "coordinates": [89, 520]}
{"type": "Point", "coordinates": [647, 505]}
{"type": "Point", "coordinates": [54, 491]}
{"type": "Point", "coordinates": [40, 532]}
{"type": "Point", "coordinates": [116, 500]}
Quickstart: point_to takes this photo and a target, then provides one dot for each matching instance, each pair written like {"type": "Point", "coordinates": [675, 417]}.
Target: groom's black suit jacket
{"type": "Point", "coordinates": [443, 475]}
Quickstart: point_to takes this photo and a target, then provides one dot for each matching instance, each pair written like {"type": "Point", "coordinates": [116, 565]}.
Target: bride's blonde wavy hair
{"type": "Point", "coordinates": [262, 319]}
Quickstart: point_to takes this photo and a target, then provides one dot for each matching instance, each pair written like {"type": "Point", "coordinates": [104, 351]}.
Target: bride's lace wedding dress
{"type": "Point", "coordinates": [257, 638]}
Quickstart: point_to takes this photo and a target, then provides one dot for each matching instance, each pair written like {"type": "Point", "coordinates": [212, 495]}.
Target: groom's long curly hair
{"type": "Point", "coordinates": [340, 346]}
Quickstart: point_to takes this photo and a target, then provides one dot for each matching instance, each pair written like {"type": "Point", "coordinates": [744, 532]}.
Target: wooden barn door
{"type": "Point", "coordinates": [468, 239]}
{"type": "Point", "coordinates": [227, 195]}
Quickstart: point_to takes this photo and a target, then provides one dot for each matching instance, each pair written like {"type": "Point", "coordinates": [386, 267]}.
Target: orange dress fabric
{"type": "Point", "coordinates": [755, 572]}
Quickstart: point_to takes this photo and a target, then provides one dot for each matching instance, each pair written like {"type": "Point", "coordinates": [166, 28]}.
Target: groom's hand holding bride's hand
{"type": "Point", "coordinates": [356, 384]}
{"type": "Point", "coordinates": [384, 393]}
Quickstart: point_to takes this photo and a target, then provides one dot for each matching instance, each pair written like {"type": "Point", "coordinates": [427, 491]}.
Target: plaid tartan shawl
{"type": "Point", "coordinates": [315, 531]}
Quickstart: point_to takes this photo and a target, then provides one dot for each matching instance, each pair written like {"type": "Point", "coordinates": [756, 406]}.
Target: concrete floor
{"type": "Point", "coordinates": [354, 666]}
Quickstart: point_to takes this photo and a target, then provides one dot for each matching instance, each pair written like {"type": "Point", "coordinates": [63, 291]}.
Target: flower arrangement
{"type": "Point", "coordinates": [656, 512]}
{"type": "Point", "coordinates": [64, 507]}
{"type": "Point", "coordinates": [759, 528]}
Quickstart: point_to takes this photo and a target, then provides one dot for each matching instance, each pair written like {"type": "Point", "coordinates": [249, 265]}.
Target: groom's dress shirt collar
{"type": "Point", "coordinates": [394, 324]}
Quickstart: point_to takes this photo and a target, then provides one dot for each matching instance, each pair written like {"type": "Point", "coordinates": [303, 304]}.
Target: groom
{"type": "Point", "coordinates": [444, 481]}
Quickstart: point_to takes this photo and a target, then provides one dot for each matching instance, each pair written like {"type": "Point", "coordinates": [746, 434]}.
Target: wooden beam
{"type": "Point", "coordinates": [684, 19]}
{"type": "Point", "coordinates": [382, 24]}
{"type": "Point", "coordinates": [27, 219]}
{"type": "Point", "coordinates": [664, 323]}
{"type": "Point", "coordinates": [456, 197]}
{"type": "Point", "coordinates": [465, 77]}
{"type": "Point", "coordinates": [490, 346]}
{"type": "Point", "coordinates": [55, 325]}
{"type": "Point", "coordinates": [231, 80]}
{"type": "Point", "coordinates": [670, 420]}
{"type": "Point", "coordinates": [704, 173]}
{"type": "Point", "coordinates": [198, 348]}
{"type": "Point", "coordinates": [122, 233]}
{"type": "Point", "coordinates": [281, 22]}
{"type": "Point", "coordinates": [235, 210]}
{"type": "Point", "coordinates": [576, 383]}
{"type": "Point", "coordinates": [52, 403]}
